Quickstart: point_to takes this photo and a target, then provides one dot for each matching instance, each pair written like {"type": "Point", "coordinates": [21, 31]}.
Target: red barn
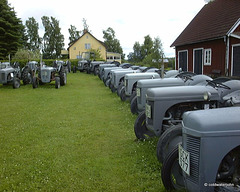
{"type": "Point", "coordinates": [210, 44]}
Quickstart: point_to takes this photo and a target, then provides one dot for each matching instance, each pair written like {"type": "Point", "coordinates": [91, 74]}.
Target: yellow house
{"type": "Point", "coordinates": [84, 44]}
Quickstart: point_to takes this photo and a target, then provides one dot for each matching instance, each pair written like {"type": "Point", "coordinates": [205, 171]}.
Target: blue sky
{"type": "Point", "coordinates": [131, 20]}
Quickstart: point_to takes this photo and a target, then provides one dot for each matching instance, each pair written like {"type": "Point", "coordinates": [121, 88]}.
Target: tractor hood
{"type": "Point", "coordinates": [215, 122]}
{"type": "Point", "coordinates": [146, 83]}
{"type": "Point", "coordinates": [123, 71]}
{"type": "Point", "coordinates": [142, 76]}
{"type": "Point", "coordinates": [186, 93]}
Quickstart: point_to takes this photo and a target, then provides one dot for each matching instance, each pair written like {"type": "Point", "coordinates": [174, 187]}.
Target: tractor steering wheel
{"type": "Point", "coordinates": [218, 84]}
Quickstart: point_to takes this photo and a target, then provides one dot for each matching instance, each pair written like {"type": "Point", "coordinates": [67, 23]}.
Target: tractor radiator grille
{"type": "Point", "coordinates": [193, 147]}
{"type": "Point", "coordinates": [150, 120]}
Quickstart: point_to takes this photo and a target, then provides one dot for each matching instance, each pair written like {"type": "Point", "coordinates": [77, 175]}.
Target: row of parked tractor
{"type": "Point", "coordinates": [195, 117]}
{"type": "Point", "coordinates": [34, 73]}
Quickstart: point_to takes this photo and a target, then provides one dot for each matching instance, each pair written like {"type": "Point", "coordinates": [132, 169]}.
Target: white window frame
{"type": "Point", "coordinates": [207, 56]}
{"type": "Point", "coordinates": [185, 50]}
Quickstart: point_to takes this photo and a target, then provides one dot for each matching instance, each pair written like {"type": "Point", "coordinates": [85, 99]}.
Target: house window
{"type": "Point", "coordinates": [74, 48]}
{"type": "Point", "coordinates": [87, 46]}
{"type": "Point", "coordinates": [207, 56]}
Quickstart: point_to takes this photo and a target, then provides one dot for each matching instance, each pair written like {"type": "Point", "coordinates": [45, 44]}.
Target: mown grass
{"type": "Point", "coordinates": [77, 138]}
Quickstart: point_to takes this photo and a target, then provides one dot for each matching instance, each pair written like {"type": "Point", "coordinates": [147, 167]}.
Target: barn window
{"type": "Point", "coordinates": [207, 56]}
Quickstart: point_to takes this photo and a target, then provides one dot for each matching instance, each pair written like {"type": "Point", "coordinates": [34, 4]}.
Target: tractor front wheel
{"type": "Point", "coordinates": [171, 172]}
{"type": "Point", "coordinates": [140, 128]}
{"type": "Point", "coordinates": [35, 82]}
{"type": "Point", "coordinates": [16, 83]}
{"type": "Point", "coordinates": [57, 82]}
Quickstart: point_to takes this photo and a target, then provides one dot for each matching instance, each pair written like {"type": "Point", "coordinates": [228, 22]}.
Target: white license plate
{"type": "Point", "coordinates": [184, 159]}
{"type": "Point", "coordinates": [148, 111]}
{"type": "Point", "coordinates": [138, 92]}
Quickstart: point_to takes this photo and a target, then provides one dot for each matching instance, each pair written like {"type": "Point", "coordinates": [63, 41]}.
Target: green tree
{"type": "Point", "coordinates": [74, 34]}
{"type": "Point", "coordinates": [34, 40]}
{"type": "Point", "coordinates": [149, 53]}
{"type": "Point", "coordinates": [53, 40]}
{"type": "Point", "coordinates": [112, 43]}
{"type": "Point", "coordinates": [156, 54]}
{"type": "Point", "coordinates": [147, 47]}
{"type": "Point", "coordinates": [11, 29]}
{"type": "Point", "coordinates": [137, 52]}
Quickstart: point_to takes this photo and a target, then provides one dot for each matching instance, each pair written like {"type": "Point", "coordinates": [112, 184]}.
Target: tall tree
{"type": "Point", "coordinates": [74, 34]}
{"type": "Point", "coordinates": [34, 40]}
{"type": "Point", "coordinates": [112, 43]}
{"type": "Point", "coordinates": [53, 40]}
{"type": "Point", "coordinates": [147, 47]}
{"type": "Point", "coordinates": [137, 52]}
{"type": "Point", "coordinates": [11, 29]}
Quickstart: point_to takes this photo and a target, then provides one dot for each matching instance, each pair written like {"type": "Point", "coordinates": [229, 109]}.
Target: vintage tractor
{"type": "Point", "coordinates": [207, 157]}
{"type": "Point", "coordinates": [165, 106]}
{"type": "Point", "coordinates": [128, 91]}
{"type": "Point", "coordinates": [182, 79]}
{"type": "Point", "coordinates": [28, 71]}
{"type": "Point", "coordinates": [46, 74]}
{"type": "Point", "coordinates": [84, 62]}
{"type": "Point", "coordinates": [10, 74]}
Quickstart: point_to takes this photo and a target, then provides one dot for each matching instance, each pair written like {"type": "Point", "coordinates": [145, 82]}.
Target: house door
{"type": "Point", "coordinates": [236, 61]}
{"type": "Point", "coordinates": [182, 60]}
{"type": "Point", "coordinates": [198, 61]}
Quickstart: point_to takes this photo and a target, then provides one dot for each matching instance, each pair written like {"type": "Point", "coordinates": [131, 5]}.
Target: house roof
{"type": "Point", "coordinates": [71, 43]}
{"type": "Point", "coordinates": [213, 21]}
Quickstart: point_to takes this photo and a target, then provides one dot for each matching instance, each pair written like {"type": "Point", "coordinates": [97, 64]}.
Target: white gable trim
{"type": "Point", "coordinates": [233, 27]}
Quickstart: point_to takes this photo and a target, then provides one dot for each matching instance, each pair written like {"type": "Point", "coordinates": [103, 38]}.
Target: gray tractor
{"type": "Point", "coordinates": [10, 74]}
{"type": "Point", "coordinates": [28, 71]}
{"type": "Point", "coordinates": [208, 156]}
{"type": "Point", "coordinates": [182, 79]}
{"type": "Point", "coordinates": [84, 62]}
{"type": "Point", "coordinates": [46, 74]}
{"type": "Point", "coordinates": [165, 105]}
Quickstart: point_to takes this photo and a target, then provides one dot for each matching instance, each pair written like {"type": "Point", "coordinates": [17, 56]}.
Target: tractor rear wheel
{"type": "Point", "coordinates": [27, 76]}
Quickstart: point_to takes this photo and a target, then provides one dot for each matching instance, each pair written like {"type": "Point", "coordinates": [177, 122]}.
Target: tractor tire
{"type": "Point", "coordinates": [57, 82]}
{"type": "Point", "coordinates": [133, 106]}
{"type": "Point", "coordinates": [134, 94]}
{"type": "Point", "coordinates": [119, 88]}
{"type": "Point", "coordinates": [168, 141]}
{"type": "Point", "coordinates": [16, 83]}
{"type": "Point", "coordinates": [27, 76]}
{"type": "Point", "coordinates": [140, 128]}
{"type": "Point", "coordinates": [35, 82]}
{"type": "Point", "coordinates": [112, 88]}
{"type": "Point", "coordinates": [63, 78]}
{"type": "Point", "coordinates": [171, 172]}
{"type": "Point", "coordinates": [96, 71]}
{"type": "Point", "coordinates": [74, 69]}
{"type": "Point", "coordinates": [107, 82]}
{"type": "Point", "coordinates": [122, 94]}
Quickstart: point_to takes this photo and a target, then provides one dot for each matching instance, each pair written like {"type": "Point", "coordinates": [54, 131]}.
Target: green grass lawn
{"type": "Point", "coordinates": [76, 138]}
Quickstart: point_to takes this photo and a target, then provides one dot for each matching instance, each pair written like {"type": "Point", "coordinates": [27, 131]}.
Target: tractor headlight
{"type": "Point", "coordinates": [206, 96]}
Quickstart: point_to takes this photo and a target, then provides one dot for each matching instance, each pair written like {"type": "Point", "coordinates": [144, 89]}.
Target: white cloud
{"type": "Point", "coordinates": [131, 20]}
